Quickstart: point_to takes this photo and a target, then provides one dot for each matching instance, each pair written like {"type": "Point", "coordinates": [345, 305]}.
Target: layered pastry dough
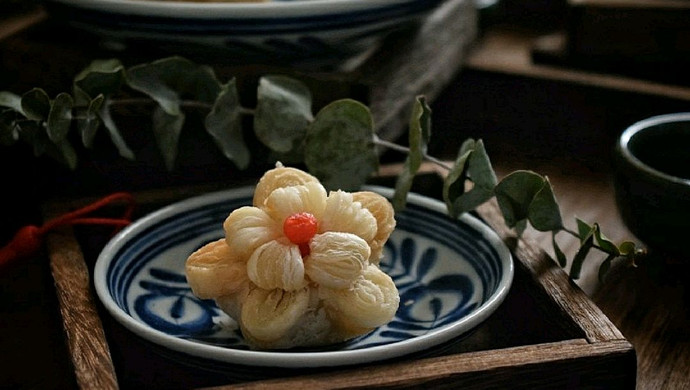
{"type": "Point", "coordinates": [300, 266]}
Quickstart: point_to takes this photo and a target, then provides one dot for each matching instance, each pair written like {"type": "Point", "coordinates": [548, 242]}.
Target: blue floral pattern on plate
{"type": "Point", "coordinates": [451, 274]}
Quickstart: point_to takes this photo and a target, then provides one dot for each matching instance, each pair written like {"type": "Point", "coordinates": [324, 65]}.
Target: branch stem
{"type": "Point", "coordinates": [577, 235]}
{"type": "Point", "coordinates": [184, 103]}
{"type": "Point", "coordinates": [405, 149]}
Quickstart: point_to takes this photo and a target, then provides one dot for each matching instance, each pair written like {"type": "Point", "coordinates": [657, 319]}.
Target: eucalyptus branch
{"type": "Point", "coordinates": [405, 149]}
{"type": "Point", "coordinates": [338, 135]}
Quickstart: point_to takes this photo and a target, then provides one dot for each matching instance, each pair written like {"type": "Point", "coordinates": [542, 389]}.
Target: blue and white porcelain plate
{"type": "Point", "coordinates": [451, 275]}
{"type": "Point", "coordinates": [279, 30]}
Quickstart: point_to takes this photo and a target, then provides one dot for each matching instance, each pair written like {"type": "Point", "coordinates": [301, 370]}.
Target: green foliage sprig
{"type": "Point", "coordinates": [338, 144]}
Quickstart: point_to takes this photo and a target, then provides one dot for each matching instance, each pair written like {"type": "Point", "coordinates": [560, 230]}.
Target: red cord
{"type": "Point", "coordinates": [29, 239]}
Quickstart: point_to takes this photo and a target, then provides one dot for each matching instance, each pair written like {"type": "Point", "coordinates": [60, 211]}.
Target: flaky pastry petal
{"type": "Point", "coordinates": [279, 177]}
{"type": "Point", "coordinates": [383, 211]}
{"type": "Point", "coordinates": [214, 270]}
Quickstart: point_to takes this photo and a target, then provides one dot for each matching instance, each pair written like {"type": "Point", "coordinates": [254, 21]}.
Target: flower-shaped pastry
{"type": "Point", "coordinates": [300, 266]}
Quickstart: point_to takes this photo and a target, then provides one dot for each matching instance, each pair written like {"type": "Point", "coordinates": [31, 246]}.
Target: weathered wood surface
{"type": "Point", "coordinates": [544, 366]}
{"type": "Point", "coordinates": [84, 333]}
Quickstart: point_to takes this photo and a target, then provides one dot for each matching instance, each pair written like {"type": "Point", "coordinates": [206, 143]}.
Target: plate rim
{"type": "Point", "coordinates": [308, 358]}
{"type": "Point", "coordinates": [201, 10]}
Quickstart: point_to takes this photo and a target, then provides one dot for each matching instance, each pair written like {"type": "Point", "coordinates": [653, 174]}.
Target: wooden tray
{"type": "Point", "coordinates": [546, 334]}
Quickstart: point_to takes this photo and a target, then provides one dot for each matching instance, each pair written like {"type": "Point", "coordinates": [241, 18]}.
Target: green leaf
{"type": "Point", "coordinates": [544, 214]}
{"type": "Point", "coordinates": [422, 117]}
{"type": "Point", "coordinates": [627, 248]}
{"type": "Point", "coordinates": [527, 195]}
{"type": "Point", "coordinates": [481, 171]}
{"type": "Point", "coordinates": [515, 194]}
{"type": "Point", "coordinates": [605, 267]}
{"type": "Point", "coordinates": [114, 133]}
{"type": "Point", "coordinates": [169, 80]}
{"type": "Point", "coordinates": [225, 125]}
{"type": "Point", "coordinates": [580, 257]}
{"type": "Point", "coordinates": [339, 147]}
{"type": "Point", "coordinates": [560, 256]}
{"type": "Point", "coordinates": [167, 129]}
{"type": "Point", "coordinates": [418, 136]}
{"type": "Point", "coordinates": [36, 104]}
{"type": "Point", "coordinates": [584, 230]}
{"type": "Point", "coordinates": [9, 131]}
{"type": "Point", "coordinates": [59, 117]}
{"type": "Point", "coordinates": [90, 122]}
{"type": "Point", "coordinates": [283, 112]}
{"type": "Point", "coordinates": [92, 88]}
{"type": "Point", "coordinates": [101, 77]}
{"type": "Point", "coordinates": [586, 234]}
{"type": "Point", "coordinates": [477, 168]}
{"type": "Point", "coordinates": [454, 183]}
{"type": "Point", "coordinates": [10, 100]}
{"type": "Point", "coordinates": [67, 154]}
{"type": "Point", "coordinates": [604, 243]}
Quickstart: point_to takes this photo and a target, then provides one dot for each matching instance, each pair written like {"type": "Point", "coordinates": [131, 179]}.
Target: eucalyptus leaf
{"type": "Point", "coordinates": [478, 169]}
{"type": "Point", "coordinates": [481, 171]}
{"type": "Point", "coordinates": [544, 214]}
{"type": "Point", "coordinates": [604, 243]}
{"type": "Point", "coordinates": [604, 267]}
{"type": "Point", "coordinates": [225, 125]}
{"type": "Point", "coordinates": [11, 100]}
{"type": "Point", "coordinates": [515, 194]}
{"type": "Point", "coordinates": [560, 256]}
{"type": "Point", "coordinates": [36, 104]}
{"type": "Point", "coordinates": [283, 112]}
{"type": "Point", "coordinates": [90, 122]}
{"type": "Point", "coordinates": [339, 146]}
{"type": "Point", "coordinates": [169, 80]}
{"type": "Point", "coordinates": [59, 117]}
{"type": "Point", "coordinates": [584, 230]}
{"type": "Point", "coordinates": [580, 256]}
{"type": "Point", "coordinates": [167, 129]}
{"type": "Point", "coordinates": [454, 183]}
{"type": "Point", "coordinates": [114, 132]}
{"type": "Point", "coordinates": [586, 233]}
{"type": "Point", "coordinates": [626, 248]}
{"type": "Point", "coordinates": [9, 131]}
{"type": "Point", "coordinates": [67, 154]}
{"type": "Point", "coordinates": [101, 77]}
{"type": "Point", "coordinates": [418, 135]}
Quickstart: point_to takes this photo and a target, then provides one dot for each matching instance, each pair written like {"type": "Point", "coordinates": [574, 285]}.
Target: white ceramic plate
{"type": "Point", "coordinates": [279, 31]}
{"type": "Point", "coordinates": [451, 275]}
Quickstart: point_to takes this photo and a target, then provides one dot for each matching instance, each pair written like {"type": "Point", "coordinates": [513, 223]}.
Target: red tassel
{"type": "Point", "coordinates": [28, 240]}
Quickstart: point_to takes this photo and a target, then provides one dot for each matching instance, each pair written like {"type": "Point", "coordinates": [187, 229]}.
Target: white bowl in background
{"type": "Point", "coordinates": [280, 30]}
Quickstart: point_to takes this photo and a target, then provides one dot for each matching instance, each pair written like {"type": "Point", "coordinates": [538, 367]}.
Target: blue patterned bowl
{"type": "Point", "coordinates": [451, 275]}
{"type": "Point", "coordinates": [279, 30]}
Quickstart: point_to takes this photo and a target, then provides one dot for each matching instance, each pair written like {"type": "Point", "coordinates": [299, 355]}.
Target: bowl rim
{"type": "Point", "coordinates": [216, 10]}
{"type": "Point", "coordinates": [303, 359]}
{"type": "Point", "coordinates": [636, 128]}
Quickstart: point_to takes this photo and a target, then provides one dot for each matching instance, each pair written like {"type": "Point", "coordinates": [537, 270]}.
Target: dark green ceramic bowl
{"type": "Point", "coordinates": [652, 182]}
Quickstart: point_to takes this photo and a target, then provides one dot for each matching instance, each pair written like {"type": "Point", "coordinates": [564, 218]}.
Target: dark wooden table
{"type": "Point", "coordinates": [556, 121]}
